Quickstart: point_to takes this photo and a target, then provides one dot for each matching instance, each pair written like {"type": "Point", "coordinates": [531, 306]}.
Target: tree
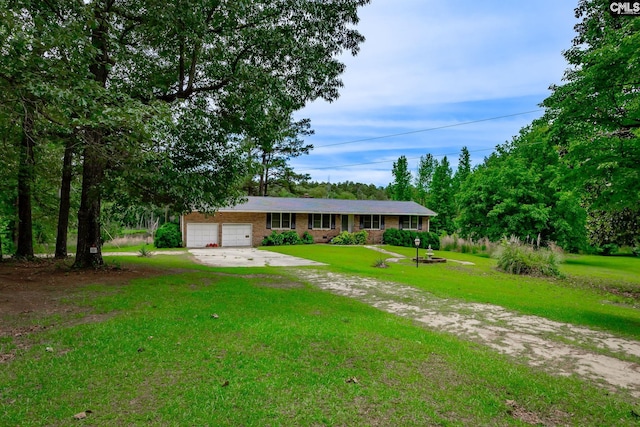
{"type": "Point", "coordinates": [426, 166]}
{"type": "Point", "coordinates": [65, 200]}
{"type": "Point", "coordinates": [271, 151]}
{"type": "Point", "coordinates": [517, 191]}
{"type": "Point", "coordinates": [463, 170]}
{"type": "Point", "coordinates": [595, 114]}
{"type": "Point", "coordinates": [401, 186]}
{"type": "Point", "coordinates": [441, 197]}
{"type": "Point", "coordinates": [226, 58]}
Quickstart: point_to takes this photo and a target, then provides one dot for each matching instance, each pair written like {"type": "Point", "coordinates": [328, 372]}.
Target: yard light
{"type": "Point", "coordinates": [417, 242]}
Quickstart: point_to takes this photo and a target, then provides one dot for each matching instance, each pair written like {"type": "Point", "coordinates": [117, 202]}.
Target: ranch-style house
{"type": "Point", "coordinates": [247, 224]}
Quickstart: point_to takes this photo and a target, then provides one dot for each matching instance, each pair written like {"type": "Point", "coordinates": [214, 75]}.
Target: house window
{"type": "Point", "coordinates": [281, 221]}
{"type": "Point", "coordinates": [321, 221]}
{"type": "Point", "coordinates": [409, 222]}
{"type": "Point", "coordinates": [371, 222]}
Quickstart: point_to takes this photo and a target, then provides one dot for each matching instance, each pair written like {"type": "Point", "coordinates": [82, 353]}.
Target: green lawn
{"type": "Point", "coordinates": [280, 352]}
{"type": "Point", "coordinates": [574, 299]}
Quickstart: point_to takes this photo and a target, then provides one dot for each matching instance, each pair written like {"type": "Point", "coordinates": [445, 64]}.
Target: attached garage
{"type": "Point", "coordinates": [236, 235]}
{"type": "Point", "coordinates": [201, 235]}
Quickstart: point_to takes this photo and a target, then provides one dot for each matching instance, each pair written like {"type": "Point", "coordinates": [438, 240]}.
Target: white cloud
{"type": "Point", "coordinates": [429, 63]}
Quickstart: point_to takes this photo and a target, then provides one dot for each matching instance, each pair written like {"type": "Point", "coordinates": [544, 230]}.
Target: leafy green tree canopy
{"type": "Point", "coordinates": [595, 114]}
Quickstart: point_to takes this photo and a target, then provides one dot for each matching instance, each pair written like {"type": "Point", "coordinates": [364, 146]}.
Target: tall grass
{"type": "Point", "coordinates": [454, 243]}
{"type": "Point", "coordinates": [129, 240]}
{"type": "Point", "coordinates": [516, 257]}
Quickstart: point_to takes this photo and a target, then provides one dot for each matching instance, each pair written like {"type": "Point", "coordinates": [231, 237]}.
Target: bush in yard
{"type": "Point", "coordinates": [407, 238]}
{"type": "Point", "coordinates": [346, 238]}
{"type": "Point", "coordinates": [168, 236]}
{"type": "Point", "coordinates": [360, 237]}
{"type": "Point", "coordinates": [517, 258]}
{"type": "Point", "coordinates": [290, 238]}
{"type": "Point", "coordinates": [307, 238]}
{"type": "Point", "coordinates": [275, 239]}
{"type": "Point", "coordinates": [286, 238]}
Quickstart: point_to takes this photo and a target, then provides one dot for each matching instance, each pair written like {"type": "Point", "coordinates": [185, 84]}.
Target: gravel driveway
{"type": "Point", "coordinates": [558, 348]}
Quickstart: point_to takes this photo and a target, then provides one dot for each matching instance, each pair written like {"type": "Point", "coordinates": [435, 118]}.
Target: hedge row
{"type": "Point", "coordinates": [287, 238]}
{"type": "Point", "coordinates": [407, 238]}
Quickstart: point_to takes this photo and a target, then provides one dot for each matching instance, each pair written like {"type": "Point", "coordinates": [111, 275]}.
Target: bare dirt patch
{"type": "Point", "coordinates": [34, 296]}
{"type": "Point", "coordinates": [559, 348]}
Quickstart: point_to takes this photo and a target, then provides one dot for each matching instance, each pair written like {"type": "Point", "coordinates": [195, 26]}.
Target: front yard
{"type": "Point", "coordinates": [163, 341]}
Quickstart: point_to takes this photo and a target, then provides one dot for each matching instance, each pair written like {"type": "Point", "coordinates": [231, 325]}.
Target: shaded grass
{"type": "Point", "coordinates": [276, 354]}
{"type": "Point", "coordinates": [570, 300]}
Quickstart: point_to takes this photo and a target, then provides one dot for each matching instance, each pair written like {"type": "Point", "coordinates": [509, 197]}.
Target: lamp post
{"type": "Point", "coordinates": [417, 242]}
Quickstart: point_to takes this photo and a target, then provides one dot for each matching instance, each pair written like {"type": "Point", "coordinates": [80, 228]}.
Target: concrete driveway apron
{"type": "Point", "coordinates": [247, 257]}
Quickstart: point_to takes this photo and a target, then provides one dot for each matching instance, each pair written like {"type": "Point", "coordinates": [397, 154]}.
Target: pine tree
{"type": "Point", "coordinates": [401, 187]}
{"type": "Point", "coordinates": [441, 198]}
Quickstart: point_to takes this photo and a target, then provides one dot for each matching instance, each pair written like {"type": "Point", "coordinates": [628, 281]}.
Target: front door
{"type": "Point", "coordinates": [347, 223]}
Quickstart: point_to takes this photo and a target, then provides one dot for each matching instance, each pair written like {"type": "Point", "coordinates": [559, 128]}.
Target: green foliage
{"type": "Point", "coordinates": [281, 139]}
{"type": "Point", "coordinates": [516, 258]}
{"type": "Point", "coordinates": [346, 238]}
{"type": "Point", "coordinates": [168, 236]}
{"type": "Point", "coordinates": [441, 198]}
{"type": "Point", "coordinates": [516, 191]}
{"type": "Point", "coordinates": [380, 263]}
{"type": "Point", "coordinates": [307, 238]}
{"type": "Point", "coordinates": [144, 252]}
{"type": "Point", "coordinates": [360, 237]}
{"type": "Point", "coordinates": [274, 239]}
{"type": "Point", "coordinates": [400, 188]}
{"type": "Point", "coordinates": [285, 238]}
{"type": "Point", "coordinates": [594, 114]}
{"type": "Point", "coordinates": [290, 238]}
{"type": "Point", "coordinates": [609, 249]}
{"type": "Point", "coordinates": [70, 63]}
{"type": "Point", "coordinates": [341, 190]}
{"type": "Point", "coordinates": [406, 238]}
{"type": "Point", "coordinates": [621, 227]}
{"type": "Point", "coordinates": [424, 177]}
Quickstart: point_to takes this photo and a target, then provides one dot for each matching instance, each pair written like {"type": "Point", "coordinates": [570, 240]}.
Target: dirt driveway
{"type": "Point", "coordinates": [558, 348]}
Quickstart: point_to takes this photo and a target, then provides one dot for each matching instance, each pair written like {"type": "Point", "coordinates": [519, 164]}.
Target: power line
{"type": "Point", "coordinates": [412, 132]}
{"type": "Point", "coordinates": [388, 161]}
{"type": "Point", "coordinates": [430, 129]}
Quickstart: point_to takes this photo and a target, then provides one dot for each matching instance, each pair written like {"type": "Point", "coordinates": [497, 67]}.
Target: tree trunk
{"type": "Point", "coordinates": [65, 201]}
{"type": "Point", "coordinates": [88, 252]}
{"type": "Point", "coordinates": [89, 249]}
{"type": "Point", "coordinates": [25, 182]}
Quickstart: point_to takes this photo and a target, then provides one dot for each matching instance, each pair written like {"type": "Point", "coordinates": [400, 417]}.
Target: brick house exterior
{"type": "Point", "coordinates": [247, 224]}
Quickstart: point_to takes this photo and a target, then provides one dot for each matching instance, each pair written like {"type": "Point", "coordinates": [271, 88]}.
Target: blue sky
{"type": "Point", "coordinates": [436, 64]}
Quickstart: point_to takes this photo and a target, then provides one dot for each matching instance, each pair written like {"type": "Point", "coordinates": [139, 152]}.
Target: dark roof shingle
{"type": "Point", "coordinates": [336, 206]}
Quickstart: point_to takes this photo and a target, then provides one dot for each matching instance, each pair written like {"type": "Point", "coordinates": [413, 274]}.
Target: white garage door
{"type": "Point", "coordinates": [236, 234]}
{"type": "Point", "coordinates": [200, 235]}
